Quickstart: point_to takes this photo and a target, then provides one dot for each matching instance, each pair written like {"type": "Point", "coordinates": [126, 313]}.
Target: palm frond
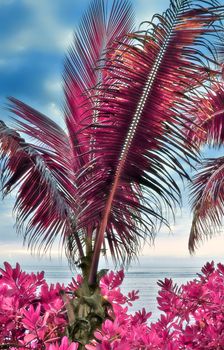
{"type": "Point", "coordinates": [44, 130]}
{"type": "Point", "coordinates": [128, 98]}
{"type": "Point", "coordinates": [208, 201]}
{"type": "Point", "coordinates": [45, 198]}
{"type": "Point", "coordinates": [44, 171]}
{"type": "Point", "coordinates": [140, 113]}
{"type": "Point", "coordinates": [100, 26]}
{"type": "Point", "coordinates": [207, 122]}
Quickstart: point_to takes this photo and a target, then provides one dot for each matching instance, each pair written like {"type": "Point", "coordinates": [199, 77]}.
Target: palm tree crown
{"type": "Point", "coordinates": [128, 97]}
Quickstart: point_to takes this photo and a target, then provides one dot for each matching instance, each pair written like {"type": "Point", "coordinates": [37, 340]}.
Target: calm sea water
{"type": "Point", "coordinates": [142, 278]}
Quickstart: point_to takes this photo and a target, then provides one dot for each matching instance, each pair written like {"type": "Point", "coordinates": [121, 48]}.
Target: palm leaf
{"type": "Point", "coordinates": [127, 99]}
{"type": "Point", "coordinates": [45, 169]}
{"type": "Point", "coordinates": [45, 198]}
{"type": "Point", "coordinates": [207, 122]}
{"type": "Point", "coordinates": [100, 26]}
{"type": "Point", "coordinates": [207, 188]}
{"type": "Point", "coordinates": [140, 112]}
{"type": "Point", "coordinates": [208, 201]}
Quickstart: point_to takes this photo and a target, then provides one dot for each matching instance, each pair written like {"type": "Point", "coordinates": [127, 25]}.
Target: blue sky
{"type": "Point", "coordinates": [34, 36]}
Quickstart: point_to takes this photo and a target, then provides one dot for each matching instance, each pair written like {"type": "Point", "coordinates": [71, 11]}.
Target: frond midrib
{"type": "Point", "coordinates": [147, 88]}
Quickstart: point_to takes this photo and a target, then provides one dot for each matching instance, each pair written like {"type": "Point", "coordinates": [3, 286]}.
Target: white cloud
{"type": "Point", "coordinates": [11, 62]}
{"type": "Point", "coordinates": [145, 9]}
{"type": "Point", "coordinates": [43, 31]}
{"type": "Point", "coordinates": [53, 85]}
{"type": "Point", "coordinates": [54, 111]}
{"type": "Point", "coordinates": [16, 252]}
{"type": "Point", "coordinates": [46, 29]}
{"type": "Point", "coordinates": [175, 244]}
{"type": "Point", "coordinates": [6, 2]}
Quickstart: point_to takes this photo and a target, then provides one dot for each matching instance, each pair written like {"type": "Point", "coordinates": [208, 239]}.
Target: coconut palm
{"type": "Point", "coordinates": [108, 181]}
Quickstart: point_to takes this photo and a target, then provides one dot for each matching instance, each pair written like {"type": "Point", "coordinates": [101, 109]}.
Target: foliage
{"type": "Point", "coordinates": [108, 180]}
{"type": "Point", "coordinates": [207, 189]}
{"type": "Point", "coordinates": [32, 314]}
{"type": "Point", "coordinates": [192, 318]}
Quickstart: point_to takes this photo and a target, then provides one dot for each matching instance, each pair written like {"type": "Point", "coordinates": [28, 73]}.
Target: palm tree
{"type": "Point", "coordinates": [108, 181]}
{"type": "Point", "coordinates": [207, 186]}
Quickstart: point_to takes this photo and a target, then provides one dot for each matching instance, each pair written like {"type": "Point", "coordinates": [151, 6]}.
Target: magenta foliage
{"type": "Point", "coordinates": [64, 345]}
{"type": "Point", "coordinates": [192, 318]}
{"type": "Point", "coordinates": [32, 314]}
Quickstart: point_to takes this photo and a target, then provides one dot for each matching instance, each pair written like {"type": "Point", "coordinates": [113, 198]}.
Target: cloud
{"type": "Point", "coordinates": [53, 85]}
{"type": "Point", "coordinates": [54, 111]}
{"type": "Point", "coordinates": [145, 9]}
{"type": "Point", "coordinates": [14, 253]}
{"type": "Point", "coordinates": [174, 243]}
{"type": "Point", "coordinates": [25, 78]}
{"type": "Point", "coordinates": [33, 25]}
{"type": "Point", "coordinates": [6, 2]}
{"type": "Point", "coordinates": [34, 36]}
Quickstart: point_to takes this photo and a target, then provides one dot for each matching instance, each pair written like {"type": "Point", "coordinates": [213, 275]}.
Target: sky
{"type": "Point", "coordinates": [34, 37]}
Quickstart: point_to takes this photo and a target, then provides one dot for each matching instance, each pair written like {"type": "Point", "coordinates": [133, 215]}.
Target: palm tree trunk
{"type": "Point", "coordinates": [87, 309]}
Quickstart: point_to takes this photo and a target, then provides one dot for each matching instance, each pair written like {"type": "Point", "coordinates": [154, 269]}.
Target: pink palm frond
{"type": "Point", "coordinates": [207, 125]}
{"type": "Point", "coordinates": [45, 170]}
{"type": "Point", "coordinates": [45, 201]}
{"type": "Point", "coordinates": [207, 187]}
{"type": "Point", "coordinates": [100, 26]}
{"type": "Point", "coordinates": [140, 107]}
{"type": "Point", "coordinates": [110, 182]}
{"type": "Point", "coordinates": [207, 128]}
{"type": "Point", "coordinates": [208, 201]}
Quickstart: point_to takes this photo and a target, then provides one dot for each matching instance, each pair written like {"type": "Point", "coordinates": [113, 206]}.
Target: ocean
{"type": "Point", "coordinates": [142, 278]}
